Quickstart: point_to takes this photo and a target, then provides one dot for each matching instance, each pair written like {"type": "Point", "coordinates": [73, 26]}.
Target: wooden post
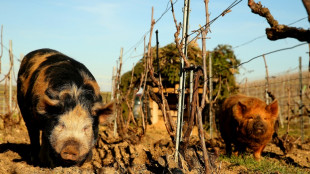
{"type": "Point", "coordinates": [288, 110]}
{"type": "Point", "coordinates": [155, 119]}
{"type": "Point", "coordinates": [203, 102]}
{"type": "Point", "coordinates": [246, 87]}
{"type": "Point", "coordinates": [113, 83]}
{"type": "Point", "coordinates": [300, 101]}
{"type": "Point", "coordinates": [3, 104]}
{"type": "Point", "coordinates": [117, 91]}
{"type": "Point", "coordinates": [210, 96]}
{"type": "Point", "coordinates": [191, 90]}
{"type": "Point", "coordinates": [282, 103]}
{"type": "Point", "coordinates": [144, 112]}
{"type": "Point", "coordinates": [267, 82]}
{"type": "Point", "coordinates": [1, 47]}
{"type": "Point", "coordinates": [309, 59]}
{"type": "Point", "coordinates": [157, 57]}
{"type": "Point", "coordinates": [254, 91]}
{"type": "Point", "coordinates": [10, 77]}
{"type": "Point", "coordinates": [182, 78]}
{"type": "Point", "coordinates": [112, 98]}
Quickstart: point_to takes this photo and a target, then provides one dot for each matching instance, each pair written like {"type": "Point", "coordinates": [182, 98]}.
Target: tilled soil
{"type": "Point", "coordinates": [151, 153]}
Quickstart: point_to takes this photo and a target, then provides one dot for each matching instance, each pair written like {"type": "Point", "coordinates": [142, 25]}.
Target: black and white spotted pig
{"type": "Point", "coordinates": [59, 96]}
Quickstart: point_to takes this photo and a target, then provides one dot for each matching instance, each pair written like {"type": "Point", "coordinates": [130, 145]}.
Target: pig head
{"type": "Point", "coordinates": [59, 96]}
{"type": "Point", "coordinates": [247, 122]}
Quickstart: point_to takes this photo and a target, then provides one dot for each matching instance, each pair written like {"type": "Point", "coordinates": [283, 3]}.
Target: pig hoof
{"type": "Point", "coordinates": [257, 157]}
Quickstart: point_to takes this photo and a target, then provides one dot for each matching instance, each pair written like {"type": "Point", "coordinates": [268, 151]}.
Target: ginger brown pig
{"type": "Point", "coordinates": [247, 122]}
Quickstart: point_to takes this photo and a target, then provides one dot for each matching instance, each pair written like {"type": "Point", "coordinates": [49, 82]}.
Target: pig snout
{"type": "Point", "coordinates": [259, 127]}
{"type": "Point", "coordinates": [70, 151]}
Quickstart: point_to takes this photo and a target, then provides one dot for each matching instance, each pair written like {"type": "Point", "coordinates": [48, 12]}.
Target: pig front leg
{"type": "Point", "coordinates": [228, 147]}
{"type": "Point", "coordinates": [240, 149]}
{"type": "Point", "coordinates": [34, 134]}
{"type": "Point", "coordinates": [258, 152]}
{"type": "Point", "coordinates": [45, 151]}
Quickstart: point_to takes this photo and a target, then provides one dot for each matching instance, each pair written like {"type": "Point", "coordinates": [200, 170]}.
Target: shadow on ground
{"type": "Point", "coordinates": [22, 149]}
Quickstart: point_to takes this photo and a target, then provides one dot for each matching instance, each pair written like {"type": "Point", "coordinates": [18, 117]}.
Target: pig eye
{"type": "Point", "coordinates": [251, 118]}
{"type": "Point", "coordinates": [62, 125]}
{"type": "Point", "coordinates": [86, 128]}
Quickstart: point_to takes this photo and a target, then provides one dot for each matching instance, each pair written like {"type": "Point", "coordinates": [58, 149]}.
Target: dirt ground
{"type": "Point", "coordinates": [153, 154]}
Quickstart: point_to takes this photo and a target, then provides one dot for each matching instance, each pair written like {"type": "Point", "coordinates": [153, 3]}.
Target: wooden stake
{"type": "Point", "coordinates": [300, 101]}
{"type": "Point", "coordinates": [182, 78]}
{"type": "Point", "coordinates": [10, 77]}
{"type": "Point", "coordinates": [1, 47]}
{"type": "Point", "coordinates": [267, 82]}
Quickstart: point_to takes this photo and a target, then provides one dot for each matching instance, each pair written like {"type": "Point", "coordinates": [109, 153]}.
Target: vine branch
{"type": "Point", "coordinates": [278, 31]}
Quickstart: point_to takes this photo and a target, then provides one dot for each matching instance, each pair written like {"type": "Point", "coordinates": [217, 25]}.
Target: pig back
{"type": "Point", "coordinates": [47, 77]}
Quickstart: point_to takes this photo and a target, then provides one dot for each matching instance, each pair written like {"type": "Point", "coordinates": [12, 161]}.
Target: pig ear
{"type": "Point", "coordinates": [239, 109]}
{"type": "Point", "coordinates": [273, 108]}
{"type": "Point", "coordinates": [104, 112]}
{"type": "Point", "coordinates": [44, 102]}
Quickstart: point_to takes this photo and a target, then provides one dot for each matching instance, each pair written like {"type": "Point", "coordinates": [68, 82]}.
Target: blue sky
{"type": "Point", "coordinates": [93, 31]}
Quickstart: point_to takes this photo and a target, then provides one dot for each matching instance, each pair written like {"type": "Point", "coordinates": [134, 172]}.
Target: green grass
{"type": "Point", "coordinates": [266, 165]}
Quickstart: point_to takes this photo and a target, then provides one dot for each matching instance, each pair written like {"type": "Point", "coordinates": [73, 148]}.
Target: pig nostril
{"type": "Point", "coordinates": [259, 127]}
{"type": "Point", "coordinates": [70, 152]}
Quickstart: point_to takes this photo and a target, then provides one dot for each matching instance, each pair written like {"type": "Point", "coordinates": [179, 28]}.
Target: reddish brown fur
{"type": "Point", "coordinates": [247, 122]}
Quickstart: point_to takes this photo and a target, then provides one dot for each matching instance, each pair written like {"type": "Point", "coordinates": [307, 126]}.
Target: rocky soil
{"type": "Point", "coordinates": [152, 153]}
